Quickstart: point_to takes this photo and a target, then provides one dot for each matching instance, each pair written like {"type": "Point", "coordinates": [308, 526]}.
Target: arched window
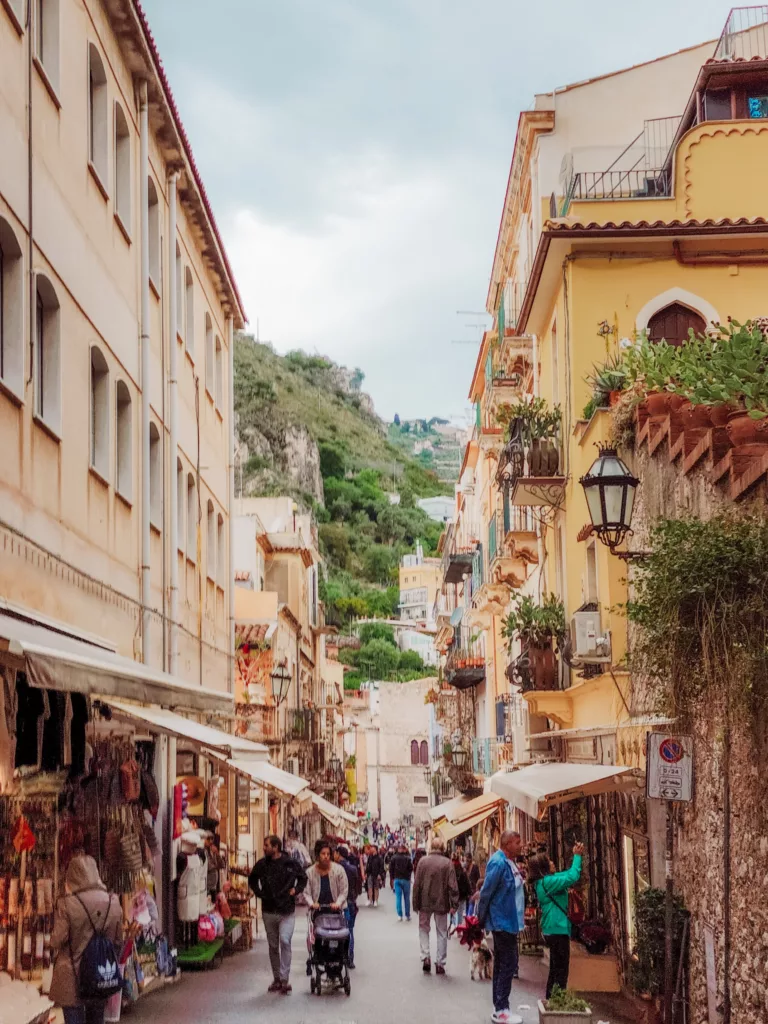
{"type": "Point", "coordinates": [99, 412]}
{"type": "Point", "coordinates": [46, 14]}
{"type": "Point", "coordinates": [209, 384]}
{"type": "Point", "coordinates": [191, 518]}
{"type": "Point", "coordinates": [179, 294]}
{"type": "Point", "coordinates": [219, 374]}
{"type": "Point", "coordinates": [155, 478]}
{"type": "Point", "coordinates": [189, 308]}
{"type": "Point", "coordinates": [11, 310]}
{"type": "Point", "coordinates": [47, 354]}
{"type": "Point", "coordinates": [180, 499]}
{"type": "Point", "coordinates": [414, 751]}
{"type": "Point", "coordinates": [154, 235]}
{"type": "Point", "coordinates": [124, 447]}
{"type": "Point", "coordinates": [97, 115]}
{"type": "Point", "coordinates": [672, 323]}
{"type": "Point", "coordinates": [122, 169]}
{"type": "Point", "coordinates": [211, 541]}
{"type": "Point", "coordinates": [423, 752]}
{"type": "Point", "coordinates": [221, 558]}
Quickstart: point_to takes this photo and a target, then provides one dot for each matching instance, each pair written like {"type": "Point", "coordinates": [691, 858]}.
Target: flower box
{"type": "Point", "coordinates": [563, 1016]}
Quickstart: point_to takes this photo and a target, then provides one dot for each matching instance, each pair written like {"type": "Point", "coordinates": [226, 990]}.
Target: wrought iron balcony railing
{"type": "Point", "coordinates": [627, 184]}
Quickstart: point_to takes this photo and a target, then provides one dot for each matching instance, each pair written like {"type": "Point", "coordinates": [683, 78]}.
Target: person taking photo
{"type": "Point", "coordinates": [552, 894]}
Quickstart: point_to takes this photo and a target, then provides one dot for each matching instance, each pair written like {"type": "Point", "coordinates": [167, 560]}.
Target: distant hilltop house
{"type": "Point", "coordinates": [440, 508]}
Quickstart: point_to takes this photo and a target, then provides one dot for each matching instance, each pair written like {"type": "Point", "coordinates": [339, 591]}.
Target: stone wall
{"type": "Point", "coordinates": [700, 832]}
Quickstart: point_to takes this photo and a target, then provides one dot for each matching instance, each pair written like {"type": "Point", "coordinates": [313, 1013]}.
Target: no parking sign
{"type": "Point", "coordinates": [669, 766]}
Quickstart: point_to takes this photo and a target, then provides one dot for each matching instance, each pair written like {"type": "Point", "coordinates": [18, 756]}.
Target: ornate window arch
{"type": "Point", "coordinates": [414, 751]}
{"type": "Point", "coordinates": [676, 295]}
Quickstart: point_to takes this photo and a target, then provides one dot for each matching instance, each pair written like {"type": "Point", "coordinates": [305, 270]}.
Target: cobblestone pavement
{"type": "Point", "coordinates": [388, 985]}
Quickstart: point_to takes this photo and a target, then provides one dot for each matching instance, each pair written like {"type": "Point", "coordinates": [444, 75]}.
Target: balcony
{"type": "Point", "coordinates": [629, 184]}
{"type": "Point", "coordinates": [301, 725]}
{"type": "Point", "coordinates": [312, 759]}
{"type": "Point", "coordinates": [459, 565]}
{"type": "Point", "coordinates": [465, 664]}
{"type": "Point", "coordinates": [529, 472]}
{"type": "Point", "coordinates": [258, 723]}
{"type": "Point", "coordinates": [490, 755]}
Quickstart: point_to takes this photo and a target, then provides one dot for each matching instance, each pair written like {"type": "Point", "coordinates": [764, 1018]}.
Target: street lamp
{"type": "Point", "coordinates": [610, 488]}
{"type": "Point", "coordinates": [281, 680]}
{"type": "Point", "coordinates": [334, 766]}
{"type": "Point", "coordinates": [460, 758]}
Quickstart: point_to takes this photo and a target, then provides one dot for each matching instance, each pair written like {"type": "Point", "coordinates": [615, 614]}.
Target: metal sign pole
{"type": "Point", "coordinates": [669, 967]}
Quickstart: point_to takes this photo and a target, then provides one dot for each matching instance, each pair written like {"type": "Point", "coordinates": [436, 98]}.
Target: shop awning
{"type": "Point", "coordinates": [460, 808]}
{"type": "Point", "coordinates": [449, 830]}
{"type": "Point", "coordinates": [537, 786]}
{"type": "Point", "coordinates": [272, 777]}
{"type": "Point", "coordinates": [215, 740]}
{"type": "Point", "coordinates": [445, 810]}
{"type": "Point", "coordinates": [328, 810]}
{"type": "Point", "coordinates": [54, 659]}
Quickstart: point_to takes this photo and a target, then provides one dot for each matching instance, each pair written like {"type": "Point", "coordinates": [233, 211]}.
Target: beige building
{"type": "Point", "coordinates": [118, 307]}
{"type": "Point", "coordinates": [420, 580]}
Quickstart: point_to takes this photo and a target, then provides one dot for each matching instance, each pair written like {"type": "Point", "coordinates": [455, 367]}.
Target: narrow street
{"type": "Point", "coordinates": [387, 985]}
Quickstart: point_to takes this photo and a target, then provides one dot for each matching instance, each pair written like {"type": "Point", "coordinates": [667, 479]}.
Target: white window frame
{"type": "Point", "coordinates": [11, 311]}
{"type": "Point", "coordinates": [123, 441]}
{"type": "Point", "coordinates": [47, 353]}
{"type": "Point", "coordinates": [153, 202]}
{"type": "Point", "coordinates": [155, 477]}
{"type": "Point", "coordinates": [221, 552]}
{"type": "Point", "coordinates": [191, 518]}
{"type": "Point", "coordinates": [211, 541]}
{"type": "Point", "coordinates": [189, 313]}
{"type": "Point", "coordinates": [210, 386]}
{"type": "Point", "coordinates": [122, 159]}
{"type": "Point", "coordinates": [98, 119]}
{"type": "Point", "coordinates": [99, 413]}
{"type": "Point", "coordinates": [181, 504]}
{"type": "Point", "coordinates": [219, 373]}
{"type": "Point", "coordinates": [47, 44]}
{"type": "Point", "coordinates": [180, 304]}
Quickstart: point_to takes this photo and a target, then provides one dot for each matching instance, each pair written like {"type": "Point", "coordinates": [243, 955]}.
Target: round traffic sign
{"type": "Point", "coordinates": [671, 750]}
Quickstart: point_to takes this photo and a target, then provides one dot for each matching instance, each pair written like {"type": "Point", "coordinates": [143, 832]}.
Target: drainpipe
{"type": "Point", "coordinates": [539, 534]}
{"type": "Point", "coordinates": [231, 423]}
{"type": "Point", "coordinates": [145, 535]}
{"type": "Point", "coordinates": [173, 525]}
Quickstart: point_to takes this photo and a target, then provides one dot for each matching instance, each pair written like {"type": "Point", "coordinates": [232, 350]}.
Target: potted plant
{"type": "Point", "coordinates": [607, 381]}
{"type": "Point", "coordinates": [564, 1007]}
{"type": "Point", "coordinates": [351, 761]}
{"type": "Point", "coordinates": [447, 752]}
{"type": "Point", "coordinates": [539, 627]}
{"type": "Point", "coordinates": [538, 427]}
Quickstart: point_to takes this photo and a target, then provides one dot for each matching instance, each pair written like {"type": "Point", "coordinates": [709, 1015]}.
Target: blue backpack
{"type": "Point", "coordinates": [99, 975]}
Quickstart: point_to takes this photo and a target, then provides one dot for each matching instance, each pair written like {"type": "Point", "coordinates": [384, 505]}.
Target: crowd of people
{"type": "Point", "coordinates": [450, 892]}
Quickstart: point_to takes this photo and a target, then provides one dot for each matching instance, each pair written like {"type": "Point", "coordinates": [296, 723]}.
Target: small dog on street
{"type": "Point", "coordinates": [481, 962]}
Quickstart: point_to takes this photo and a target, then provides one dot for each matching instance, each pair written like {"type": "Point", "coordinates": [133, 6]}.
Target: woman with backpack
{"type": "Point", "coordinates": [86, 932]}
{"type": "Point", "coordinates": [552, 894]}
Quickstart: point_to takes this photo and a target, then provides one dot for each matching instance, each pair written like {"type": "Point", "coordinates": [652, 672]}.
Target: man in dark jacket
{"type": "Point", "coordinates": [277, 880]}
{"type": "Point", "coordinates": [341, 856]}
{"type": "Point", "coordinates": [374, 870]}
{"type": "Point", "coordinates": [400, 872]}
{"type": "Point", "coordinates": [435, 894]}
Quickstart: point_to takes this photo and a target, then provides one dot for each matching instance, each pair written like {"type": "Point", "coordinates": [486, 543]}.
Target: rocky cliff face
{"type": "Point", "coordinates": [286, 460]}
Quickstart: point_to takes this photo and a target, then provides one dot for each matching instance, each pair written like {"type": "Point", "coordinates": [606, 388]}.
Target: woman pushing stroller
{"type": "Point", "coordinates": [328, 936]}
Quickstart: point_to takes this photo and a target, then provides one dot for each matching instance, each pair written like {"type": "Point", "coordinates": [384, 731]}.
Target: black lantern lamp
{"type": "Point", "coordinates": [459, 758]}
{"type": "Point", "coordinates": [610, 489]}
{"type": "Point", "coordinates": [334, 765]}
{"type": "Point", "coordinates": [281, 681]}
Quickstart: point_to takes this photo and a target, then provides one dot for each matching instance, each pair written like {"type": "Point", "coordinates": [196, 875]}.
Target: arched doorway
{"type": "Point", "coordinates": [672, 323]}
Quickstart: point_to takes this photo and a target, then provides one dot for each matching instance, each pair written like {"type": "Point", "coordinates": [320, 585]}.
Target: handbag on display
{"type": "Point", "coordinates": [130, 852]}
{"type": "Point", "coordinates": [206, 929]}
{"type": "Point", "coordinates": [130, 780]}
{"type": "Point", "coordinates": [112, 847]}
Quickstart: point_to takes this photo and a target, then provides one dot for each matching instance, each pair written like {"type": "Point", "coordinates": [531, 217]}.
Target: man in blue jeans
{"type": "Point", "coordinates": [501, 910]}
{"type": "Point", "coordinates": [400, 872]}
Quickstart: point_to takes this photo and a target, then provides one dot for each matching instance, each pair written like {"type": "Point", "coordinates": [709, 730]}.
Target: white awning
{"type": "Point", "coordinates": [449, 830]}
{"type": "Point", "coordinates": [54, 659]}
{"type": "Point", "coordinates": [445, 810]}
{"type": "Point", "coordinates": [586, 732]}
{"type": "Point", "coordinates": [537, 786]}
{"type": "Point", "coordinates": [272, 777]}
{"type": "Point", "coordinates": [216, 740]}
{"type": "Point", "coordinates": [328, 810]}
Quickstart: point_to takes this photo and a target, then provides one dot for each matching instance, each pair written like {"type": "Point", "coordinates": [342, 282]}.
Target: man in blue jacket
{"type": "Point", "coordinates": [501, 910]}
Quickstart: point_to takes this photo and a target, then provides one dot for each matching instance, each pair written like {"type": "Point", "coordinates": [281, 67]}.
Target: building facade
{"type": "Point", "coordinates": [118, 306]}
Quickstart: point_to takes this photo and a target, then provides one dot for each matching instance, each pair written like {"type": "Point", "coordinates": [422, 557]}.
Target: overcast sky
{"type": "Point", "coordinates": [356, 154]}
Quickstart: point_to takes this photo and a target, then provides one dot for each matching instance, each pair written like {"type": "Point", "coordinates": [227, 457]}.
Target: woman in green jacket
{"type": "Point", "coordinates": [552, 892]}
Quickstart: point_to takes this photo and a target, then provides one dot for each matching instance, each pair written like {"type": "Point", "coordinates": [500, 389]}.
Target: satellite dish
{"type": "Point", "coordinates": [456, 616]}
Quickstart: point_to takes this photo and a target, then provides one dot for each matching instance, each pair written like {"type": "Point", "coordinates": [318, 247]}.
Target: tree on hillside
{"type": "Point", "coordinates": [376, 631]}
{"type": "Point", "coordinates": [379, 563]}
{"type": "Point", "coordinates": [332, 461]}
{"type": "Point", "coordinates": [378, 658]}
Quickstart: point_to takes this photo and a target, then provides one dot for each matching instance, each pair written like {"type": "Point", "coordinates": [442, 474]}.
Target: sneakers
{"type": "Point", "coordinates": [427, 966]}
{"type": "Point", "coordinates": [505, 1017]}
{"type": "Point", "coordinates": [276, 986]}
{"type": "Point", "coordinates": [407, 919]}
{"type": "Point", "coordinates": [439, 969]}
{"type": "Point", "coordinates": [399, 919]}
{"type": "Point", "coordinates": [286, 987]}
{"type": "Point", "coordinates": [375, 903]}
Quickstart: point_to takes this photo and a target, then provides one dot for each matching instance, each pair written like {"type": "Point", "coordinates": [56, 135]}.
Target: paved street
{"type": "Point", "coordinates": [387, 986]}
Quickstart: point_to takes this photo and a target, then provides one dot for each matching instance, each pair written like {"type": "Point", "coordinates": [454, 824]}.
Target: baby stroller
{"type": "Point", "coordinates": [328, 944]}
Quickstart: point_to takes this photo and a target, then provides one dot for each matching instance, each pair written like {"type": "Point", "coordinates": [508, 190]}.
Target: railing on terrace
{"type": "Point", "coordinates": [630, 184]}
{"type": "Point", "coordinates": [417, 595]}
{"type": "Point", "coordinates": [301, 724]}
{"type": "Point", "coordinates": [745, 35]}
{"type": "Point", "coordinates": [490, 755]}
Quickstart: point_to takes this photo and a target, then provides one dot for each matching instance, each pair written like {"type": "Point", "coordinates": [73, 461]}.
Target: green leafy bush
{"type": "Point", "coordinates": [647, 968]}
{"type": "Point", "coordinates": [535, 624]}
{"type": "Point", "coordinates": [564, 1000]}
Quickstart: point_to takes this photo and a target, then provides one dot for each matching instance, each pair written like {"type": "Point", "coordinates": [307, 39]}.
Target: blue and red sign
{"type": "Point", "coordinates": [671, 750]}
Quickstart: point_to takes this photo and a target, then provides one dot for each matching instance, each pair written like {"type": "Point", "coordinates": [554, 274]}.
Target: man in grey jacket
{"type": "Point", "coordinates": [435, 895]}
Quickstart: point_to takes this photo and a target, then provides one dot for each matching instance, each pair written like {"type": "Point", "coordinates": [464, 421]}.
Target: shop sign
{"type": "Point", "coordinates": [243, 805]}
{"type": "Point", "coordinates": [669, 767]}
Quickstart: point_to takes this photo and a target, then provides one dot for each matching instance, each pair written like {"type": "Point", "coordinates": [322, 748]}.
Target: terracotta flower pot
{"type": "Point", "coordinates": [719, 414]}
{"type": "Point", "coordinates": [743, 430]}
{"type": "Point", "coordinates": [697, 416]}
{"type": "Point", "coordinates": [663, 403]}
{"type": "Point", "coordinates": [614, 398]}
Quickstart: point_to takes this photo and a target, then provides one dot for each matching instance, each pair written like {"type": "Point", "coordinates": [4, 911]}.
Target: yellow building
{"type": "Point", "coordinates": [621, 215]}
{"type": "Point", "coordinates": [420, 580]}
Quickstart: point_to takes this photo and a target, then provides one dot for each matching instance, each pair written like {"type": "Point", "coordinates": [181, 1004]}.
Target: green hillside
{"type": "Point", "coordinates": [306, 428]}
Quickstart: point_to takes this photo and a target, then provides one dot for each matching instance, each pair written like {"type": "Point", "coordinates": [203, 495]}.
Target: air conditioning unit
{"type": "Point", "coordinates": [589, 642]}
{"type": "Point", "coordinates": [291, 765]}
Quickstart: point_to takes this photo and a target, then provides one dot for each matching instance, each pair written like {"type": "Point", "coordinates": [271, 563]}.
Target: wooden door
{"type": "Point", "coordinates": [672, 323]}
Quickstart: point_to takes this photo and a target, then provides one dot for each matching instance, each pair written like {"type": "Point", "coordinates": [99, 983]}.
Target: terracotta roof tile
{"type": "Point", "coordinates": [561, 227]}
